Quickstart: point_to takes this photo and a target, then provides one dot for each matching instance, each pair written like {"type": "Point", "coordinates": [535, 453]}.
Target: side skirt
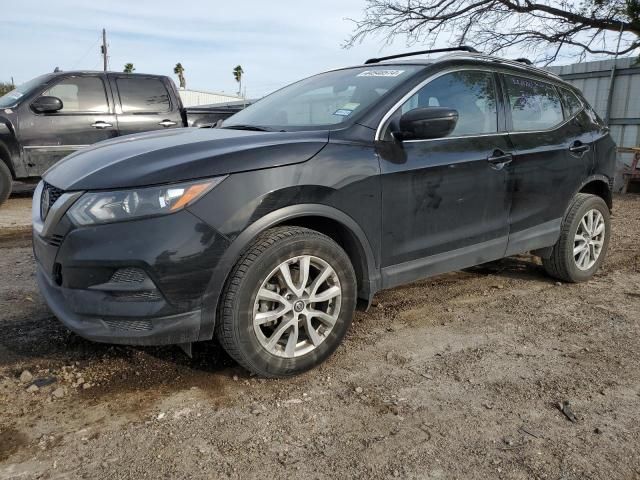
{"type": "Point", "coordinates": [444, 262]}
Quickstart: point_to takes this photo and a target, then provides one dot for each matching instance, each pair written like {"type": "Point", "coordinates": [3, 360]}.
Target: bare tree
{"type": "Point", "coordinates": [543, 28]}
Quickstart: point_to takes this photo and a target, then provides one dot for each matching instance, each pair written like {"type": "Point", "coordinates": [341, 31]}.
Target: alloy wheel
{"type": "Point", "coordinates": [589, 239]}
{"type": "Point", "coordinates": [297, 306]}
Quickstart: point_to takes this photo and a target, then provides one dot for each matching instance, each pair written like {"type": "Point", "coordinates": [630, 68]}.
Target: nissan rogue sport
{"type": "Point", "coordinates": [267, 233]}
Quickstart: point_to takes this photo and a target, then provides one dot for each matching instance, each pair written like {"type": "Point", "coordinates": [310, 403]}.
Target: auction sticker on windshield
{"type": "Point", "coordinates": [381, 73]}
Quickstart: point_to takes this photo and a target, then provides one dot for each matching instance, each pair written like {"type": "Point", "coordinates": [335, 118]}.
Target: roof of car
{"type": "Point", "coordinates": [97, 72]}
{"type": "Point", "coordinates": [478, 58]}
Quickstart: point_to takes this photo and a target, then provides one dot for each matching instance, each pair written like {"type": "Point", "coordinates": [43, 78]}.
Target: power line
{"type": "Point", "coordinates": [94, 45]}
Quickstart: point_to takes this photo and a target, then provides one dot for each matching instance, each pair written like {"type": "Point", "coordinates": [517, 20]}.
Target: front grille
{"type": "Point", "coordinates": [54, 193]}
{"type": "Point", "coordinates": [55, 240]}
{"type": "Point", "coordinates": [130, 325]}
{"type": "Point", "coordinates": [129, 275]}
{"type": "Point", "coordinates": [148, 295]}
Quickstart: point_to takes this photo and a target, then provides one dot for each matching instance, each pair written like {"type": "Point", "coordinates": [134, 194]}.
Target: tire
{"type": "Point", "coordinates": [562, 264]}
{"type": "Point", "coordinates": [260, 276]}
{"type": "Point", "coordinates": [5, 182]}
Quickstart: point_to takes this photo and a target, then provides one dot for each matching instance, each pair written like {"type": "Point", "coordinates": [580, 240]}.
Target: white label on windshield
{"type": "Point", "coordinates": [381, 73]}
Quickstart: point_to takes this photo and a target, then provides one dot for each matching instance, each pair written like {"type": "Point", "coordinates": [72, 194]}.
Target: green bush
{"type": "Point", "coordinates": [5, 87]}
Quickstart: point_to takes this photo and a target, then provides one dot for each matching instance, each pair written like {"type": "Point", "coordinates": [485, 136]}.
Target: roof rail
{"type": "Point", "coordinates": [526, 61]}
{"type": "Point", "coordinates": [463, 48]}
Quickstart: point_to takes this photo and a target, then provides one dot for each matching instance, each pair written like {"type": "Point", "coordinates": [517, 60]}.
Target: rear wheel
{"type": "Point", "coordinates": [583, 241]}
{"type": "Point", "coordinates": [288, 303]}
{"type": "Point", "coordinates": [5, 182]}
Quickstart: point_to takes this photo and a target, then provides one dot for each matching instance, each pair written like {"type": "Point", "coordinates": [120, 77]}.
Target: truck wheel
{"type": "Point", "coordinates": [583, 242]}
{"type": "Point", "coordinates": [5, 182]}
{"type": "Point", "coordinates": [288, 302]}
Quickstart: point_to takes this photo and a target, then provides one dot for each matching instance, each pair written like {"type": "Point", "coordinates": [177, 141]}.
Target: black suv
{"type": "Point", "coordinates": [267, 232]}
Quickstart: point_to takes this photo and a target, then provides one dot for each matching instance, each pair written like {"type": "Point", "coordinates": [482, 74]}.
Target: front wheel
{"type": "Point", "coordinates": [583, 241]}
{"type": "Point", "coordinates": [288, 302]}
{"type": "Point", "coordinates": [5, 182]}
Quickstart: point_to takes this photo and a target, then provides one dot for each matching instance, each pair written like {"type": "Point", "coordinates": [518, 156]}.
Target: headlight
{"type": "Point", "coordinates": [119, 205]}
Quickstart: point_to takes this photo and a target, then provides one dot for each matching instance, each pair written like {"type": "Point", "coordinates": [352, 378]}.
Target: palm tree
{"type": "Point", "coordinates": [129, 68]}
{"type": "Point", "coordinates": [179, 70]}
{"type": "Point", "coordinates": [237, 74]}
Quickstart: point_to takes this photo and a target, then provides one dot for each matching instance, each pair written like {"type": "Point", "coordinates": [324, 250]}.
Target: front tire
{"type": "Point", "coordinates": [583, 242]}
{"type": "Point", "coordinates": [5, 182]}
{"type": "Point", "coordinates": [288, 303]}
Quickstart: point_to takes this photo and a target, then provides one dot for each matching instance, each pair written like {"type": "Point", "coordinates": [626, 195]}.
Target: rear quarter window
{"type": "Point", "coordinates": [571, 102]}
{"type": "Point", "coordinates": [534, 105]}
{"type": "Point", "coordinates": [138, 95]}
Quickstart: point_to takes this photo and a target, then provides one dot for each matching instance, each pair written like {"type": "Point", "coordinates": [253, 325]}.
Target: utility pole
{"type": "Point", "coordinates": [104, 49]}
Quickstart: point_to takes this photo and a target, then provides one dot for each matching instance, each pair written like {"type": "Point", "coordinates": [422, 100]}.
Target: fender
{"type": "Point", "coordinates": [597, 177]}
{"type": "Point", "coordinates": [371, 273]}
{"type": "Point", "coordinates": [9, 150]}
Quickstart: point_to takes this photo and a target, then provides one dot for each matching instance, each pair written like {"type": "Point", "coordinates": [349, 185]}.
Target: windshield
{"type": "Point", "coordinates": [323, 100]}
{"type": "Point", "coordinates": [11, 98]}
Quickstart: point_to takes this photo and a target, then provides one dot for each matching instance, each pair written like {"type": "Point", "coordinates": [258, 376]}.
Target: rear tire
{"type": "Point", "coordinates": [288, 302]}
{"type": "Point", "coordinates": [5, 182]}
{"type": "Point", "coordinates": [583, 242]}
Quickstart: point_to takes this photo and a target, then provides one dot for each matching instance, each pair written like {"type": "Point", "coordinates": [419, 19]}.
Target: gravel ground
{"type": "Point", "coordinates": [459, 376]}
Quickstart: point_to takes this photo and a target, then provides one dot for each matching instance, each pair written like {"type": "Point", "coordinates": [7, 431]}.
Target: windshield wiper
{"type": "Point", "coordinates": [254, 128]}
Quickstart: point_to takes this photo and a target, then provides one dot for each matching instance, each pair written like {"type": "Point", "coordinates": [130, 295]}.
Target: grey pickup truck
{"type": "Point", "coordinates": [53, 115]}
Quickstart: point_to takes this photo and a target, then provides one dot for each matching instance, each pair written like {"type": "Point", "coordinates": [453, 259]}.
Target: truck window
{"type": "Point", "coordinates": [80, 95]}
{"type": "Point", "coordinates": [534, 105]}
{"type": "Point", "coordinates": [143, 95]}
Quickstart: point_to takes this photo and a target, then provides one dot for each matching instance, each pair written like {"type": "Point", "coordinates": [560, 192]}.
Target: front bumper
{"type": "Point", "coordinates": [178, 328]}
{"type": "Point", "coordinates": [175, 255]}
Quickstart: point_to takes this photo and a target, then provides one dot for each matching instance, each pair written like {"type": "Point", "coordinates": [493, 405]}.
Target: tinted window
{"type": "Point", "coordinates": [143, 95]}
{"type": "Point", "coordinates": [472, 94]}
{"type": "Point", "coordinates": [534, 105]}
{"type": "Point", "coordinates": [572, 104]}
{"type": "Point", "coordinates": [80, 94]}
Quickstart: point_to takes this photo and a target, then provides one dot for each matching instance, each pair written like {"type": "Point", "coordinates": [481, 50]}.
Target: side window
{"type": "Point", "coordinates": [139, 95]}
{"type": "Point", "coordinates": [80, 95]}
{"type": "Point", "coordinates": [534, 105]}
{"type": "Point", "coordinates": [471, 93]}
{"type": "Point", "coordinates": [571, 102]}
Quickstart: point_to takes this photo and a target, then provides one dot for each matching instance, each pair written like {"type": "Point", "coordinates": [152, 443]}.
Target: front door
{"type": "Point", "coordinates": [446, 201]}
{"type": "Point", "coordinates": [86, 118]}
{"type": "Point", "coordinates": [145, 105]}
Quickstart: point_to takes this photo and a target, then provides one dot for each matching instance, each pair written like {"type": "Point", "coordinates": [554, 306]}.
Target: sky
{"type": "Point", "coordinates": [276, 41]}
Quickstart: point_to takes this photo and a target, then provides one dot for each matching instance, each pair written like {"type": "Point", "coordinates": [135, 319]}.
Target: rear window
{"type": "Point", "coordinates": [534, 105]}
{"type": "Point", "coordinates": [143, 95]}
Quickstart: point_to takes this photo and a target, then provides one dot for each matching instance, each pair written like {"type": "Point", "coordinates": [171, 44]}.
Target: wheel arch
{"type": "Point", "coordinates": [598, 185]}
{"type": "Point", "coordinates": [327, 220]}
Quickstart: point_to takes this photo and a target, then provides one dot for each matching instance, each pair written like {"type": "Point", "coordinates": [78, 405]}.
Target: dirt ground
{"type": "Point", "coordinates": [458, 376]}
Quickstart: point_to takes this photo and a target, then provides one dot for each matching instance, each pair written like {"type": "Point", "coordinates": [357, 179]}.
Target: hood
{"type": "Point", "coordinates": [180, 154]}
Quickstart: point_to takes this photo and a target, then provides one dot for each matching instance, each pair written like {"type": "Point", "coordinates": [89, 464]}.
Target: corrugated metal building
{"type": "Point", "coordinates": [193, 98]}
{"type": "Point", "coordinates": [620, 107]}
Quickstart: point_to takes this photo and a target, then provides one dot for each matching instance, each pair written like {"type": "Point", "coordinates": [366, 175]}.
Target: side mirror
{"type": "Point", "coordinates": [425, 123]}
{"type": "Point", "coordinates": [47, 105]}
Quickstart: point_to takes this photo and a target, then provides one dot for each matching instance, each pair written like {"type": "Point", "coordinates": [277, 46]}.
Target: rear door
{"type": "Point", "coordinates": [552, 155]}
{"type": "Point", "coordinates": [145, 104]}
{"type": "Point", "coordinates": [87, 117]}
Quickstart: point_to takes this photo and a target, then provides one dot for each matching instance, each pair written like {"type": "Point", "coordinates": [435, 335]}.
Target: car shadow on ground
{"type": "Point", "coordinates": [521, 267]}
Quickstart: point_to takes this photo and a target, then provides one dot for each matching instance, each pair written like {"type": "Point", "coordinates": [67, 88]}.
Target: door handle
{"type": "Point", "coordinates": [167, 123]}
{"type": "Point", "coordinates": [100, 125]}
{"type": "Point", "coordinates": [499, 159]}
{"type": "Point", "coordinates": [579, 148]}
